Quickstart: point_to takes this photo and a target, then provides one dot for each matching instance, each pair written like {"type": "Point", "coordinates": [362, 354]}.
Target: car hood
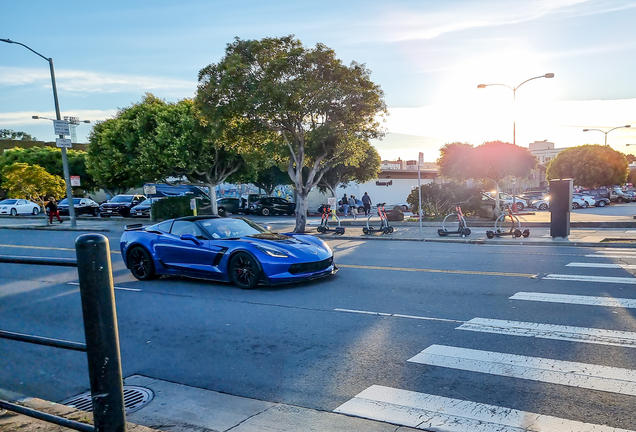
{"type": "Point", "coordinates": [295, 246]}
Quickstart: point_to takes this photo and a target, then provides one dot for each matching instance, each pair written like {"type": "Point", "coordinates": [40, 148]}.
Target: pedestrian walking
{"type": "Point", "coordinates": [352, 207]}
{"type": "Point", "coordinates": [345, 205]}
{"type": "Point", "coordinates": [366, 200]}
{"type": "Point", "coordinates": [51, 208]}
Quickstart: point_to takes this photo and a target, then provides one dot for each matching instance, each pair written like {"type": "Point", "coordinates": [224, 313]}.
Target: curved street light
{"type": "Point", "coordinates": [514, 98]}
{"type": "Point", "coordinates": [606, 132]}
{"type": "Point", "coordinates": [67, 175]}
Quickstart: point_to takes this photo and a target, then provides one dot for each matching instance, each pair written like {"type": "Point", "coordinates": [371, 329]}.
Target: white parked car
{"type": "Point", "coordinates": [15, 207]}
{"type": "Point", "coordinates": [544, 204]}
{"type": "Point", "coordinates": [589, 200]}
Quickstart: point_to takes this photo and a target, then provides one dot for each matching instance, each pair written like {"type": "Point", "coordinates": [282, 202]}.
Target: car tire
{"type": "Point", "coordinates": [520, 206]}
{"type": "Point", "coordinates": [222, 212]}
{"type": "Point", "coordinates": [140, 263]}
{"type": "Point", "coordinates": [601, 204]}
{"type": "Point", "coordinates": [543, 206]}
{"type": "Point", "coordinates": [244, 271]}
{"type": "Point", "coordinates": [14, 212]}
{"type": "Point", "coordinates": [619, 199]}
{"type": "Point", "coordinates": [575, 205]}
{"type": "Point", "coordinates": [35, 211]}
{"type": "Point", "coordinates": [265, 211]}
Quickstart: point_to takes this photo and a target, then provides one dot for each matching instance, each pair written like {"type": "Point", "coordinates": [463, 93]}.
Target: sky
{"type": "Point", "coordinates": [428, 56]}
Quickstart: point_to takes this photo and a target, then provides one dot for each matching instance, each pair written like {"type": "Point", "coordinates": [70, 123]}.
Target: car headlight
{"type": "Point", "coordinates": [273, 252]}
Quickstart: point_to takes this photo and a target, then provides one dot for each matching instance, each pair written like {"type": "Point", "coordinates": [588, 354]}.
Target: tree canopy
{"type": "Point", "coordinates": [50, 158]}
{"type": "Point", "coordinates": [493, 160]}
{"type": "Point", "coordinates": [32, 182]}
{"type": "Point", "coordinates": [590, 165]}
{"type": "Point", "coordinates": [314, 111]}
{"type": "Point", "coordinates": [9, 134]}
{"type": "Point", "coordinates": [153, 141]}
{"type": "Point", "coordinates": [365, 170]}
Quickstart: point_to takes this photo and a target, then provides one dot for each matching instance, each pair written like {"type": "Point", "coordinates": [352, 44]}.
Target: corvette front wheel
{"type": "Point", "coordinates": [244, 271]}
{"type": "Point", "coordinates": [140, 263]}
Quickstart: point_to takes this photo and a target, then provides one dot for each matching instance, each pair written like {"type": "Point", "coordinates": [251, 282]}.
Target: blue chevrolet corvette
{"type": "Point", "coordinates": [224, 249]}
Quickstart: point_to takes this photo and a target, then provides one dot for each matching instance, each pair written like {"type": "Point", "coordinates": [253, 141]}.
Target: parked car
{"type": "Point", "coordinates": [120, 205]}
{"type": "Point", "coordinates": [247, 201]}
{"type": "Point", "coordinates": [403, 206]}
{"type": "Point", "coordinates": [544, 204]}
{"type": "Point", "coordinates": [359, 206]}
{"type": "Point", "coordinates": [228, 205]}
{"type": "Point", "coordinates": [224, 249]}
{"type": "Point", "coordinates": [601, 201]}
{"type": "Point", "coordinates": [272, 205]}
{"type": "Point", "coordinates": [143, 208]}
{"type": "Point", "coordinates": [589, 199]}
{"type": "Point", "coordinates": [506, 199]}
{"type": "Point", "coordinates": [529, 197]}
{"type": "Point", "coordinates": [15, 207]}
{"type": "Point", "coordinates": [614, 194]}
{"type": "Point", "coordinates": [83, 206]}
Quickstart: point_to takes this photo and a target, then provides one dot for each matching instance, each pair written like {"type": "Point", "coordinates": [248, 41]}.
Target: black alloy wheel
{"type": "Point", "coordinates": [140, 263]}
{"type": "Point", "coordinates": [243, 271]}
{"type": "Point", "coordinates": [265, 211]}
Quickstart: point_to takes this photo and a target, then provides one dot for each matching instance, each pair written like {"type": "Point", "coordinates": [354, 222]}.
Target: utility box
{"type": "Point", "coordinates": [560, 207]}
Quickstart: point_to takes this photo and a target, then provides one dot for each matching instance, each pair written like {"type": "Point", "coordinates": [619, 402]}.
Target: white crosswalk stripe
{"type": "Point", "coordinates": [602, 265]}
{"type": "Point", "coordinates": [575, 299]}
{"type": "Point", "coordinates": [430, 412]}
{"type": "Point", "coordinates": [585, 278]}
{"type": "Point", "coordinates": [582, 375]}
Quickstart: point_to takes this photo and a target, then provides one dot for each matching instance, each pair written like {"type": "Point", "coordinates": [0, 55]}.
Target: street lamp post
{"type": "Point", "coordinates": [67, 175]}
{"type": "Point", "coordinates": [606, 132]}
{"type": "Point", "coordinates": [514, 98]}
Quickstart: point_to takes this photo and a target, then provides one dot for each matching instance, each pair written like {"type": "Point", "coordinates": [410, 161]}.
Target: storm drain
{"type": "Point", "coordinates": [135, 398]}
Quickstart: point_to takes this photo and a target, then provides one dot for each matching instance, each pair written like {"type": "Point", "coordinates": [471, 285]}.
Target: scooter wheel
{"type": "Point", "coordinates": [340, 230]}
{"type": "Point", "coordinates": [466, 231]}
{"type": "Point", "coordinates": [365, 230]}
{"type": "Point", "coordinates": [526, 233]}
{"type": "Point", "coordinates": [517, 233]}
{"type": "Point", "coordinates": [490, 234]}
{"type": "Point", "coordinates": [391, 230]}
{"type": "Point", "coordinates": [320, 229]}
{"type": "Point", "coordinates": [386, 230]}
{"type": "Point", "coordinates": [441, 233]}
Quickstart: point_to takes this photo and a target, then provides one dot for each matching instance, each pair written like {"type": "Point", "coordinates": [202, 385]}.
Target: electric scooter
{"type": "Point", "coordinates": [458, 218]}
{"type": "Point", "coordinates": [385, 228]}
{"type": "Point", "coordinates": [515, 226]}
{"type": "Point", "coordinates": [324, 221]}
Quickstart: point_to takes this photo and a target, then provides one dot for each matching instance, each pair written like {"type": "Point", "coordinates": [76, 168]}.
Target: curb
{"type": "Point", "coordinates": [53, 228]}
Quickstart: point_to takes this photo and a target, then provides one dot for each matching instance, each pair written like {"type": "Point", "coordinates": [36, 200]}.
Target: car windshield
{"type": "Point", "coordinates": [226, 228]}
{"type": "Point", "coordinates": [122, 198]}
{"type": "Point", "coordinates": [8, 202]}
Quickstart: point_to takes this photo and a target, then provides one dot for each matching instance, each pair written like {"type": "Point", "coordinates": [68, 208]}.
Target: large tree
{"type": "Point", "coordinates": [268, 178]}
{"type": "Point", "coordinates": [493, 160]}
{"type": "Point", "coordinates": [31, 182]}
{"type": "Point", "coordinates": [154, 141]}
{"type": "Point", "coordinates": [9, 134]}
{"type": "Point", "coordinates": [590, 165]}
{"type": "Point", "coordinates": [317, 110]}
{"type": "Point", "coordinates": [50, 158]}
{"type": "Point", "coordinates": [342, 174]}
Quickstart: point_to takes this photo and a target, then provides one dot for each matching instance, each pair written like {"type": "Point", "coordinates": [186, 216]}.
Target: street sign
{"type": "Point", "coordinates": [421, 160]}
{"type": "Point", "coordinates": [150, 190]}
{"type": "Point", "coordinates": [331, 202]}
{"type": "Point", "coordinates": [61, 127]}
{"type": "Point", "coordinates": [63, 142]}
{"type": "Point", "coordinates": [75, 181]}
{"type": "Point", "coordinates": [193, 204]}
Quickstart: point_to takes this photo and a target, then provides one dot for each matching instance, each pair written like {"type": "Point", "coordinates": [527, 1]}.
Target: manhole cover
{"type": "Point", "coordinates": [135, 398]}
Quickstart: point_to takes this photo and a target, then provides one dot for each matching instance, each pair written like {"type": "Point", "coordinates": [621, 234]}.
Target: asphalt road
{"type": "Point", "coordinates": [319, 344]}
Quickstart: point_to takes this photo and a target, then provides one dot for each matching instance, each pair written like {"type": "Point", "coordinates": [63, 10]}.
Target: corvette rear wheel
{"type": "Point", "coordinates": [140, 264]}
{"type": "Point", "coordinates": [243, 271]}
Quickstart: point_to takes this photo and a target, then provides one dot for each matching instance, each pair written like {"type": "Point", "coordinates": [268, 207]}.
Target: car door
{"type": "Point", "coordinates": [22, 206]}
{"type": "Point", "coordinates": [197, 259]}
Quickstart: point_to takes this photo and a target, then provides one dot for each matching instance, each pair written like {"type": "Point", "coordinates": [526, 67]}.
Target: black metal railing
{"type": "Point", "coordinates": [101, 334]}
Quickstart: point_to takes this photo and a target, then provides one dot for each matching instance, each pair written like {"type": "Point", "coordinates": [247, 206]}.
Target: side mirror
{"type": "Point", "coordinates": [135, 202]}
{"type": "Point", "coordinates": [191, 238]}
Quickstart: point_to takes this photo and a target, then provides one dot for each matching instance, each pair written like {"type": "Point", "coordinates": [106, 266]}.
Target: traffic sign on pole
{"type": "Point", "coordinates": [61, 127]}
{"type": "Point", "coordinates": [63, 142]}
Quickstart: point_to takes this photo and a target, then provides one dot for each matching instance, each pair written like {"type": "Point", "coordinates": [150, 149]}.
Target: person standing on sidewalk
{"type": "Point", "coordinates": [345, 205]}
{"type": "Point", "coordinates": [51, 208]}
{"type": "Point", "coordinates": [352, 207]}
{"type": "Point", "coordinates": [366, 200]}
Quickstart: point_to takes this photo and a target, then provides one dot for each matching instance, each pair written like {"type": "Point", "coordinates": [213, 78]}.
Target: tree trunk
{"type": "Point", "coordinates": [212, 188]}
{"type": "Point", "coordinates": [301, 212]}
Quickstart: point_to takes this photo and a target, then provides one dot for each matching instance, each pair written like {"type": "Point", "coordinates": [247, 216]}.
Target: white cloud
{"type": "Point", "coordinates": [92, 82]}
{"type": "Point", "coordinates": [13, 119]}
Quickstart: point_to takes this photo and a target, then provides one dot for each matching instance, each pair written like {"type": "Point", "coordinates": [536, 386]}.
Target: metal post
{"type": "Point", "coordinates": [100, 327]}
{"type": "Point", "coordinates": [419, 194]}
{"type": "Point", "coordinates": [67, 175]}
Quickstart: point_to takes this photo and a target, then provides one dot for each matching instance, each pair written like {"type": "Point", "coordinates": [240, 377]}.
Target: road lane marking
{"type": "Point", "coordinates": [430, 412]}
{"type": "Point", "coordinates": [117, 288]}
{"type": "Point", "coordinates": [552, 331]}
{"type": "Point", "coordinates": [574, 374]}
{"type": "Point", "coordinates": [576, 299]}
{"type": "Point", "coordinates": [602, 265]}
{"type": "Point", "coordinates": [410, 269]}
{"type": "Point", "coordinates": [583, 278]}
{"type": "Point", "coordinates": [45, 248]}
{"type": "Point", "coordinates": [611, 256]}
{"type": "Point", "coordinates": [397, 315]}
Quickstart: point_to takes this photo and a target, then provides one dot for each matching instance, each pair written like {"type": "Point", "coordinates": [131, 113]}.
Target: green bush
{"type": "Point", "coordinates": [172, 207]}
{"type": "Point", "coordinates": [440, 200]}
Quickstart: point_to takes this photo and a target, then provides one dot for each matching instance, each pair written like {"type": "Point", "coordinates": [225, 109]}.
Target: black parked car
{"type": "Point", "coordinates": [82, 206]}
{"type": "Point", "coordinates": [120, 205]}
{"type": "Point", "coordinates": [143, 209]}
{"type": "Point", "coordinates": [272, 205]}
{"type": "Point", "coordinates": [228, 205]}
